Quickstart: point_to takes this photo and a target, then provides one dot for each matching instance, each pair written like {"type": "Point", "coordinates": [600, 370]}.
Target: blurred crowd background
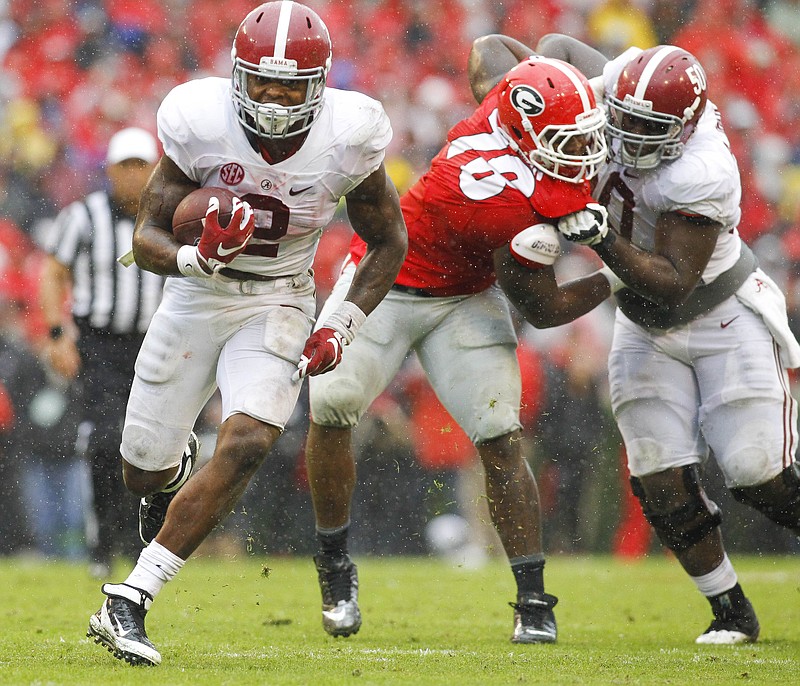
{"type": "Point", "coordinates": [73, 72]}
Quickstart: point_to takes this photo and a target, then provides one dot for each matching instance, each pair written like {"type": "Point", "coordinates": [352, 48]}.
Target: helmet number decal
{"type": "Point", "coordinates": [697, 76]}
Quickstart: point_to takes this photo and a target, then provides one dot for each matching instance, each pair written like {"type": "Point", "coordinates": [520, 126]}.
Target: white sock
{"type": "Point", "coordinates": [155, 567]}
{"type": "Point", "coordinates": [722, 579]}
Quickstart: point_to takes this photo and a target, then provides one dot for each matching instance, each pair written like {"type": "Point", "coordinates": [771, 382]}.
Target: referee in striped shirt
{"type": "Point", "coordinates": [98, 312]}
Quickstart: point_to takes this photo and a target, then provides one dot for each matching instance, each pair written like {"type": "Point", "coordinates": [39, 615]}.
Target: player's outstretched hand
{"type": "Point", "coordinates": [587, 227]}
{"type": "Point", "coordinates": [323, 351]}
{"type": "Point", "coordinates": [220, 244]}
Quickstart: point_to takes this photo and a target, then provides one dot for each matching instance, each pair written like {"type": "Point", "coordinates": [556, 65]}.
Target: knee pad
{"type": "Point", "coordinates": [340, 403]}
{"type": "Point", "coordinates": [681, 526]}
{"type": "Point", "coordinates": [778, 499]}
{"type": "Point", "coordinates": [501, 419]}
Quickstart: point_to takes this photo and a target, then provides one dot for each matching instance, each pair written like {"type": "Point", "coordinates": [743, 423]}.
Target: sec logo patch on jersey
{"type": "Point", "coordinates": [231, 174]}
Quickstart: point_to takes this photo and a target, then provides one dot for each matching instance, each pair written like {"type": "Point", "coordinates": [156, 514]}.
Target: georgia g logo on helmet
{"type": "Point", "coordinates": [527, 101]}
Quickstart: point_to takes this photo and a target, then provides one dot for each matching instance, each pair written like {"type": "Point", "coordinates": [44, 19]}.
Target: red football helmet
{"type": "Point", "coordinates": [548, 110]}
{"type": "Point", "coordinates": [283, 41]}
{"type": "Point", "coordinates": [657, 102]}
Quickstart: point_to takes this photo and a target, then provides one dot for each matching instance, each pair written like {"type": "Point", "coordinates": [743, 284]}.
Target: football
{"type": "Point", "coordinates": [187, 222]}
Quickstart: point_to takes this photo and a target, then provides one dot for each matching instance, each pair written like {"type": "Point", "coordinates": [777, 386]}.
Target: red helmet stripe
{"type": "Point", "coordinates": [283, 29]}
{"type": "Point", "coordinates": [650, 68]}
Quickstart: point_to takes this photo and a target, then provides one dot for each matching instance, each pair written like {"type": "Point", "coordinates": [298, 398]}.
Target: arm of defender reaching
{"type": "Point", "coordinates": [525, 272]}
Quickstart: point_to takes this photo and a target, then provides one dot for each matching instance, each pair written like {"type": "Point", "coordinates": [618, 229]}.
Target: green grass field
{"type": "Point", "coordinates": [251, 620]}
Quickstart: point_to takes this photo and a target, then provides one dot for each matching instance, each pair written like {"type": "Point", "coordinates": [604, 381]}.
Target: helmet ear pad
{"type": "Point", "coordinates": [548, 110]}
{"type": "Point", "coordinates": [286, 42]}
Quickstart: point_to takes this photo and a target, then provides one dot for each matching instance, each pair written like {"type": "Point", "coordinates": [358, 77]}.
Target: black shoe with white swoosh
{"type": "Point", "coordinates": [338, 581]}
{"type": "Point", "coordinates": [119, 625]}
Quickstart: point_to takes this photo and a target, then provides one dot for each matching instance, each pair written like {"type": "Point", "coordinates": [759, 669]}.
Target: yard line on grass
{"type": "Point", "coordinates": [351, 652]}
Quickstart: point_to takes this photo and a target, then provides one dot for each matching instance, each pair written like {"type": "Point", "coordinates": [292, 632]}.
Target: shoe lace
{"type": "Point", "coordinates": [156, 505]}
{"type": "Point", "coordinates": [535, 609]}
{"type": "Point", "coordinates": [129, 615]}
{"type": "Point", "coordinates": [336, 579]}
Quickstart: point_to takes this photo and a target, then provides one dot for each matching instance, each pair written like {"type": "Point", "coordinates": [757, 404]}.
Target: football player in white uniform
{"type": "Point", "coordinates": [238, 314]}
{"type": "Point", "coordinates": [701, 342]}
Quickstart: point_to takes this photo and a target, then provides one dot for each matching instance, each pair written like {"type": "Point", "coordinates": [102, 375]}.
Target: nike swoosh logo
{"type": "Point", "coordinates": [725, 325]}
{"type": "Point", "coordinates": [120, 632]}
{"type": "Point", "coordinates": [224, 252]}
{"type": "Point", "coordinates": [297, 191]}
{"type": "Point", "coordinates": [349, 324]}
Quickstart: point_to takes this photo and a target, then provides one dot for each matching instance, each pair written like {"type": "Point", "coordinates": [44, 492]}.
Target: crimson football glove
{"type": "Point", "coordinates": [220, 245]}
{"type": "Point", "coordinates": [323, 351]}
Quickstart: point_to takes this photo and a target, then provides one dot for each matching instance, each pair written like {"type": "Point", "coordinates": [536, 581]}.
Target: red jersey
{"type": "Point", "coordinates": [476, 196]}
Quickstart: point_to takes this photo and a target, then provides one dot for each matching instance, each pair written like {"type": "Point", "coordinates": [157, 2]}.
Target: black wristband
{"type": "Point", "coordinates": [606, 243]}
{"type": "Point", "coordinates": [56, 332]}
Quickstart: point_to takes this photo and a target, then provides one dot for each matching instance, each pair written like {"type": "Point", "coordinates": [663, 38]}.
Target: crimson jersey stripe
{"type": "Point", "coordinates": [789, 404]}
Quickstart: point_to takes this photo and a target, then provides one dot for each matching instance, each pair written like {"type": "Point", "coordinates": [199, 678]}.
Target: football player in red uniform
{"type": "Point", "coordinates": [481, 227]}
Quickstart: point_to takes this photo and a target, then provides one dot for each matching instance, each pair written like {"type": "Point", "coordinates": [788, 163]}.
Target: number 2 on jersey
{"type": "Point", "coordinates": [279, 226]}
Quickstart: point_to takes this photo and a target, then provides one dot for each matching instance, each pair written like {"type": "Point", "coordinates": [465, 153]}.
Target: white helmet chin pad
{"type": "Point", "coordinates": [274, 119]}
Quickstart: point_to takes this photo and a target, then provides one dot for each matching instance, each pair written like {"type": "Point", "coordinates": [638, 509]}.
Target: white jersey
{"type": "Point", "coordinates": [703, 181]}
{"type": "Point", "coordinates": [294, 199]}
{"type": "Point", "coordinates": [681, 392]}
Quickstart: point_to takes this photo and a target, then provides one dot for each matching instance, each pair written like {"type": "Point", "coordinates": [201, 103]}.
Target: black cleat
{"type": "Point", "coordinates": [534, 621]}
{"type": "Point", "coordinates": [734, 622]}
{"type": "Point", "coordinates": [153, 508]}
{"type": "Point", "coordinates": [338, 581]}
{"type": "Point", "coordinates": [119, 625]}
